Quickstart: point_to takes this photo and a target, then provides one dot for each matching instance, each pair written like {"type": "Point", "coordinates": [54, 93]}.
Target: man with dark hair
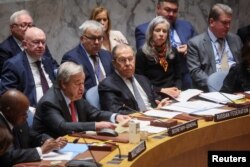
{"type": "Point", "coordinates": [181, 32]}
{"type": "Point", "coordinates": [27, 145]}
{"type": "Point", "coordinates": [214, 50]}
{"type": "Point", "coordinates": [244, 33]}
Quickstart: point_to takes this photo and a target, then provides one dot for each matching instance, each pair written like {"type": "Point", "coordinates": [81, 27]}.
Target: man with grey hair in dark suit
{"type": "Point", "coordinates": [214, 50]}
{"type": "Point", "coordinates": [62, 110]}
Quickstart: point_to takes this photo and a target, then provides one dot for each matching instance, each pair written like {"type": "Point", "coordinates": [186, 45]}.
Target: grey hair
{"type": "Point", "coordinates": [218, 9]}
{"type": "Point", "coordinates": [91, 24]}
{"type": "Point", "coordinates": [147, 47]}
{"type": "Point", "coordinates": [120, 46]}
{"type": "Point", "coordinates": [14, 16]}
{"type": "Point", "coordinates": [66, 70]}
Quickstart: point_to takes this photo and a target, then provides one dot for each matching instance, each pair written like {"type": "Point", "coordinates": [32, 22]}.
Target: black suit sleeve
{"type": "Point", "coordinates": [14, 156]}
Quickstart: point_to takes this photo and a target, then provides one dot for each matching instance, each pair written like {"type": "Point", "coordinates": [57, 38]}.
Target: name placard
{"type": "Point", "coordinates": [182, 128]}
{"type": "Point", "coordinates": [231, 114]}
{"type": "Point", "coordinates": [137, 150]}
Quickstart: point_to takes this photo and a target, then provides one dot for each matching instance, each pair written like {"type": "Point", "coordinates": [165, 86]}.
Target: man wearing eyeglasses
{"type": "Point", "coordinates": [30, 71]}
{"type": "Point", "coordinates": [97, 62]}
{"type": "Point", "coordinates": [214, 50]}
{"type": "Point", "coordinates": [124, 91]}
{"type": "Point", "coordinates": [20, 21]}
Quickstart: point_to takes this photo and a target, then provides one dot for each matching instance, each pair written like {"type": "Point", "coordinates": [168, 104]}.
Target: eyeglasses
{"type": "Point", "coordinates": [94, 38]}
{"type": "Point", "coordinates": [123, 60]}
{"type": "Point", "coordinates": [24, 25]}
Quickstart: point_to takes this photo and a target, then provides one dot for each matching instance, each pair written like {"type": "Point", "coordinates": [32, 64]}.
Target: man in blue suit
{"type": "Point", "coordinates": [181, 32]}
{"type": "Point", "coordinates": [30, 71]}
{"type": "Point", "coordinates": [20, 21]}
{"type": "Point", "coordinates": [97, 63]}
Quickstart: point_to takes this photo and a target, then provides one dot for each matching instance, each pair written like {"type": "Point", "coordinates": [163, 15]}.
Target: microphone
{"type": "Point", "coordinates": [88, 163]}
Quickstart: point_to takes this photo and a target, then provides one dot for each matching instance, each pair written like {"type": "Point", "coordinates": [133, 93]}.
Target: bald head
{"type": "Point", "coordinates": [14, 105]}
{"type": "Point", "coordinates": [34, 42]}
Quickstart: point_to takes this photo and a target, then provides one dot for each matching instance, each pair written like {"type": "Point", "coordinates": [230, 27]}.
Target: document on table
{"type": "Point", "coordinates": [66, 153]}
{"type": "Point", "coordinates": [192, 106]}
{"type": "Point", "coordinates": [210, 112]}
{"type": "Point", "coordinates": [219, 97]}
{"type": "Point", "coordinates": [161, 113]}
{"type": "Point", "coordinates": [145, 126]}
{"type": "Point", "coordinates": [188, 94]}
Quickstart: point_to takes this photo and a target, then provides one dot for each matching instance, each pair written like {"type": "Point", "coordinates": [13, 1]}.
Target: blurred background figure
{"type": "Point", "coordinates": [244, 33]}
{"type": "Point", "coordinates": [238, 78]}
{"type": "Point", "coordinates": [110, 37]}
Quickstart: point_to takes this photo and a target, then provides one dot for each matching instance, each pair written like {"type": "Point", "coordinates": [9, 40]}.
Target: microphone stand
{"type": "Point", "coordinates": [88, 163]}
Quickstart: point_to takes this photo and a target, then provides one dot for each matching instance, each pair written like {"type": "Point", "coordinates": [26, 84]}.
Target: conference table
{"type": "Point", "coordinates": [186, 149]}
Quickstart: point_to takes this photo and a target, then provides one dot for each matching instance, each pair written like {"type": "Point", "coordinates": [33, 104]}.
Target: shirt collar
{"type": "Point", "coordinates": [67, 100]}
{"type": "Point", "coordinates": [211, 35]}
{"type": "Point", "coordinates": [30, 59]}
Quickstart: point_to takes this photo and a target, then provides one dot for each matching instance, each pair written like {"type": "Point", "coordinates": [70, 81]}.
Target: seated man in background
{"type": "Point", "coordinates": [95, 61]}
{"type": "Point", "coordinates": [20, 21]}
{"type": "Point", "coordinates": [27, 145]}
{"type": "Point", "coordinates": [214, 50]}
{"type": "Point", "coordinates": [62, 110]}
{"type": "Point", "coordinates": [125, 92]}
{"type": "Point", "coordinates": [30, 71]}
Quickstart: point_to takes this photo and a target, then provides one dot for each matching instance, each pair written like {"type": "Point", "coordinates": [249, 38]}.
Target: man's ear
{"type": "Point", "coordinates": [24, 44]}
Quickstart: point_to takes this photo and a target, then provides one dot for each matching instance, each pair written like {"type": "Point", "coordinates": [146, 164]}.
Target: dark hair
{"type": "Point", "coordinates": [245, 52]}
{"type": "Point", "coordinates": [170, 1]}
{"type": "Point", "coordinates": [219, 9]}
{"type": "Point", "coordinates": [98, 10]}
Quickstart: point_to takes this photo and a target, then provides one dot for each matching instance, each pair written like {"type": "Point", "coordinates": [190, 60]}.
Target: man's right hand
{"type": "Point", "coordinates": [50, 145]}
{"type": "Point", "coordinates": [104, 124]}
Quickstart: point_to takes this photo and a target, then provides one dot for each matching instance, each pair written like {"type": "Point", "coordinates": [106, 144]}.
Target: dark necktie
{"type": "Point", "coordinates": [73, 111]}
{"type": "Point", "coordinates": [44, 82]}
{"type": "Point", "coordinates": [97, 68]}
{"type": "Point", "coordinates": [15, 138]}
{"type": "Point", "coordinates": [223, 55]}
{"type": "Point", "coordinates": [137, 95]}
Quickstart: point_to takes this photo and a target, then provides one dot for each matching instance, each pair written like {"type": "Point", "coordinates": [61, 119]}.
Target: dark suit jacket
{"type": "Point", "coordinates": [9, 48]}
{"type": "Point", "coordinates": [79, 56]}
{"type": "Point", "coordinates": [26, 151]}
{"type": "Point", "coordinates": [17, 74]}
{"type": "Point", "coordinates": [116, 97]}
{"type": "Point", "coordinates": [155, 73]}
{"type": "Point", "coordinates": [237, 80]}
{"type": "Point", "coordinates": [53, 116]}
{"type": "Point", "coordinates": [183, 28]}
{"type": "Point", "coordinates": [201, 59]}
{"type": "Point", "coordinates": [244, 33]}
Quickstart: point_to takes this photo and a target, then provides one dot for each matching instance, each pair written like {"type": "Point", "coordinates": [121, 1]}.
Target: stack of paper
{"type": "Point", "coordinates": [219, 97]}
{"type": "Point", "coordinates": [188, 94]}
{"type": "Point", "coordinates": [192, 106]}
{"type": "Point", "coordinates": [161, 114]}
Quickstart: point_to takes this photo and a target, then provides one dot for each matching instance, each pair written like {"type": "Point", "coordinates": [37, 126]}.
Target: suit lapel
{"type": "Point", "coordinates": [85, 60]}
{"type": "Point", "coordinates": [232, 47]}
{"type": "Point", "coordinates": [209, 50]}
{"type": "Point", "coordinates": [62, 103]}
{"type": "Point", "coordinates": [14, 46]}
{"type": "Point", "coordinates": [30, 79]}
{"type": "Point", "coordinates": [124, 88]}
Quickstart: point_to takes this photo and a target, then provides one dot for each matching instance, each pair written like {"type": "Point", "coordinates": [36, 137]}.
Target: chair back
{"type": "Point", "coordinates": [215, 81]}
{"type": "Point", "coordinates": [92, 96]}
